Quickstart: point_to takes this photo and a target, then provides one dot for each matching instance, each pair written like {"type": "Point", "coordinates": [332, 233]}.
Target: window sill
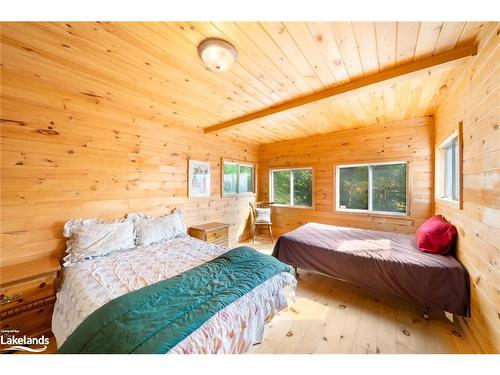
{"type": "Point", "coordinates": [288, 206]}
{"type": "Point", "coordinates": [375, 213]}
{"type": "Point", "coordinates": [227, 195]}
{"type": "Point", "coordinates": [448, 202]}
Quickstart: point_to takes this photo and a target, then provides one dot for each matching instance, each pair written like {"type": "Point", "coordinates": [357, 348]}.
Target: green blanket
{"type": "Point", "coordinates": [157, 317]}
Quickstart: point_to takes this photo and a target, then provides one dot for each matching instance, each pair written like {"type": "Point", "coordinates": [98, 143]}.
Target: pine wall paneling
{"type": "Point", "coordinates": [411, 140]}
{"type": "Point", "coordinates": [50, 177]}
{"type": "Point", "coordinates": [474, 99]}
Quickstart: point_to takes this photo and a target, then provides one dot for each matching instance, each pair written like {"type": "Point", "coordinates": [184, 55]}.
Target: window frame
{"type": "Point", "coordinates": [238, 163]}
{"type": "Point", "coordinates": [271, 187]}
{"type": "Point", "coordinates": [440, 169]}
{"type": "Point", "coordinates": [369, 211]}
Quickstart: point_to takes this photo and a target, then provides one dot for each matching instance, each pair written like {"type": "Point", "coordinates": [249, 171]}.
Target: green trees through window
{"type": "Point", "coordinates": [246, 179]}
{"type": "Point", "coordinates": [354, 188]}
{"type": "Point", "coordinates": [238, 178]}
{"type": "Point", "coordinates": [389, 188]}
{"type": "Point", "coordinates": [373, 187]}
{"type": "Point", "coordinates": [281, 187]}
{"type": "Point", "coordinates": [302, 187]}
{"type": "Point", "coordinates": [230, 178]}
{"type": "Point", "coordinates": [292, 187]}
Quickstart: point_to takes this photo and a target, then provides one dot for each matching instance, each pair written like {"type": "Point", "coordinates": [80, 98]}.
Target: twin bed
{"type": "Point", "coordinates": [386, 262]}
{"type": "Point", "coordinates": [183, 295]}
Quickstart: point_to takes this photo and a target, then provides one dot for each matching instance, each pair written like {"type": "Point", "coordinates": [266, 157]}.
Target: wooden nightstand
{"type": "Point", "coordinates": [216, 233]}
{"type": "Point", "coordinates": [27, 296]}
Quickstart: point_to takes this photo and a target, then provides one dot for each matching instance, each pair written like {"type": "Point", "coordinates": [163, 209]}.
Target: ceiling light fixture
{"type": "Point", "coordinates": [217, 54]}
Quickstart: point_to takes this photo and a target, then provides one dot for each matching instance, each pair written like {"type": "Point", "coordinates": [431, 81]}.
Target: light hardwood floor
{"type": "Point", "coordinates": [330, 316]}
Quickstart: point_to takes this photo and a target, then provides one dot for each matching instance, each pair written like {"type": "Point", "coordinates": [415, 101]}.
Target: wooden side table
{"type": "Point", "coordinates": [216, 233]}
{"type": "Point", "coordinates": [27, 297]}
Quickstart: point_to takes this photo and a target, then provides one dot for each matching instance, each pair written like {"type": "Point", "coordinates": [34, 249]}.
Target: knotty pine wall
{"type": "Point", "coordinates": [65, 155]}
{"type": "Point", "coordinates": [474, 99]}
{"type": "Point", "coordinates": [411, 140]}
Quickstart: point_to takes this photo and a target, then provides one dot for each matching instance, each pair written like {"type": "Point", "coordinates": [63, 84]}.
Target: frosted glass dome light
{"type": "Point", "coordinates": [217, 54]}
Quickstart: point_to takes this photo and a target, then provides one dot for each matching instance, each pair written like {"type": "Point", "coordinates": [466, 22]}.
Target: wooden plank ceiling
{"type": "Point", "coordinates": [154, 69]}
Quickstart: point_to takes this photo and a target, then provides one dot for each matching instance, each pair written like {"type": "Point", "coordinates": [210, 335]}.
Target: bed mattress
{"type": "Point", "coordinates": [90, 284]}
{"type": "Point", "coordinates": [386, 262]}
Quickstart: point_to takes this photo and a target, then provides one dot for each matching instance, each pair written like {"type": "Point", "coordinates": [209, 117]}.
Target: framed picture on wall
{"type": "Point", "coordinates": [199, 178]}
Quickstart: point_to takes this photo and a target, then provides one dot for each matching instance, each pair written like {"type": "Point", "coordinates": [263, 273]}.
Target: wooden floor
{"type": "Point", "coordinates": [331, 316]}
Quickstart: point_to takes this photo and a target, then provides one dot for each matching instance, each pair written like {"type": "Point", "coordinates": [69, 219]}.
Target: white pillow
{"type": "Point", "coordinates": [149, 230]}
{"type": "Point", "coordinates": [262, 215]}
{"type": "Point", "coordinates": [89, 238]}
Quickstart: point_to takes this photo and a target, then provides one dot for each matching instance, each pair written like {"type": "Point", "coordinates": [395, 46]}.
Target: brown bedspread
{"type": "Point", "coordinates": [382, 261]}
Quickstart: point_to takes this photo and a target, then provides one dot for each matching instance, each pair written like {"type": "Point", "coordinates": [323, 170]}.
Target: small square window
{"type": "Point", "coordinates": [372, 187]}
{"type": "Point", "coordinates": [238, 178]}
{"type": "Point", "coordinates": [292, 187]}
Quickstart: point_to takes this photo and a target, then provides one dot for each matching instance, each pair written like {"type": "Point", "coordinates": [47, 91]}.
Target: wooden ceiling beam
{"type": "Point", "coordinates": [431, 65]}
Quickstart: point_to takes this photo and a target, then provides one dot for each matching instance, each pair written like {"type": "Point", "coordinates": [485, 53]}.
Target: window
{"type": "Point", "coordinates": [448, 169]}
{"type": "Point", "coordinates": [238, 178]}
{"type": "Point", "coordinates": [374, 187]}
{"type": "Point", "coordinates": [291, 187]}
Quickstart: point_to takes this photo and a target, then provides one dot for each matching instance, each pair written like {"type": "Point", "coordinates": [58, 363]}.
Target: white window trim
{"type": "Point", "coordinates": [369, 210]}
{"type": "Point", "coordinates": [439, 172]}
{"type": "Point", "coordinates": [248, 193]}
{"type": "Point", "coordinates": [291, 205]}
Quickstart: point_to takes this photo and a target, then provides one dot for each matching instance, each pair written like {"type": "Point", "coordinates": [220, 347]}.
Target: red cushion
{"type": "Point", "coordinates": [436, 236]}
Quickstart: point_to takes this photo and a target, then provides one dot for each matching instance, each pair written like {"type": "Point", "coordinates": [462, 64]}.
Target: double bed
{"type": "Point", "coordinates": [90, 286]}
{"type": "Point", "coordinates": [386, 262]}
